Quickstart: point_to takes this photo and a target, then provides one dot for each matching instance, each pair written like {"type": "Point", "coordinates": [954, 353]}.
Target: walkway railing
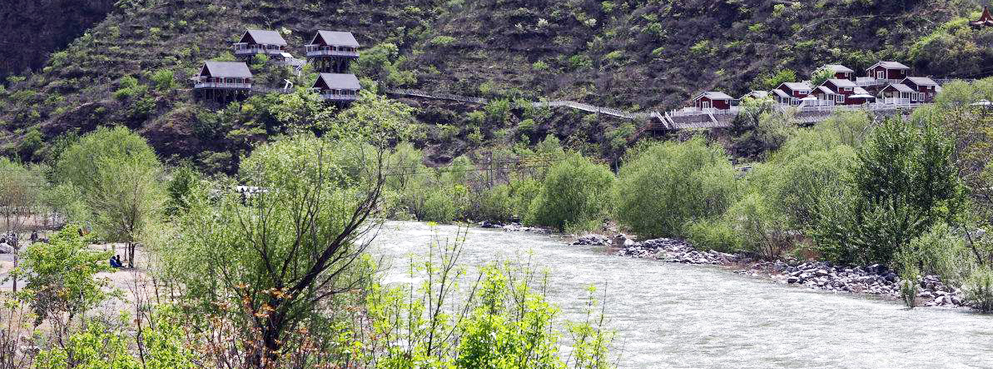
{"type": "Point", "coordinates": [226, 85]}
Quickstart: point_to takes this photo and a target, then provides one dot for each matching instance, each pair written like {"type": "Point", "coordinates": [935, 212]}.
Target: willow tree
{"type": "Point", "coordinates": [119, 177]}
{"type": "Point", "coordinates": [269, 265]}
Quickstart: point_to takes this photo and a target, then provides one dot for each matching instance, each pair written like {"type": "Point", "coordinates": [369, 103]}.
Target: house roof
{"type": "Point", "coordinates": [336, 38]}
{"type": "Point", "coordinates": [714, 95]}
{"type": "Point", "coordinates": [837, 68]}
{"type": "Point", "coordinates": [798, 86]}
{"type": "Point", "coordinates": [757, 94]}
{"type": "Point", "coordinates": [339, 81]}
{"type": "Point", "coordinates": [921, 81]}
{"type": "Point", "coordinates": [888, 65]}
{"type": "Point", "coordinates": [227, 69]}
{"type": "Point", "coordinates": [265, 37]}
{"type": "Point", "coordinates": [861, 91]}
{"type": "Point", "coordinates": [780, 93]}
{"type": "Point", "coordinates": [841, 82]}
{"type": "Point", "coordinates": [824, 89]}
{"type": "Point", "coordinates": [900, 87]}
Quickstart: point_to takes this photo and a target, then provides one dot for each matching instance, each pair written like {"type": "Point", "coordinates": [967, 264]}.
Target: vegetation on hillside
{"type": "Point", "coordinates": [626, 54]}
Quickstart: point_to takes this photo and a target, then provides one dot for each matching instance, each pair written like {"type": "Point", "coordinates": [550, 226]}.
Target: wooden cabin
{"type": "Point", "coordinates": [888, 70]}
{"type": "Point", "coordinates": [269, 43]}
{"type": "Point", "coordinates": [337, 87]}
{"type": "Point", "coordinates": [223, 80]}
{"type": "Point", "coordinates": [985, 20]}
{"type": "Point", "coordinates": [840, 71]}
{"type": "Point", "coordinates": [332, 51]}
{"type": "Point", "coordinates": [712, 100]}
{"type": "Point", "coordinates": [926, 88]}
{"type": "Point", "coordinates": [897, 93]}
{"type": "Point", "coordinates": [790, 93]}
{"type": "Point", "coordinates": [842, 92]}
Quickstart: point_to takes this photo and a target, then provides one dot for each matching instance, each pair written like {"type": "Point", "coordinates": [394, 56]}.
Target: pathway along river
{"type": "Point", "coordinates": [683, 316]}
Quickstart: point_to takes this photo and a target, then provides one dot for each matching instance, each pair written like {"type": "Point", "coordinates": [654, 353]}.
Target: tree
{"type": "Point", "coordinates": [119, 177]}
{"type": "Point", "coordinates": [20, 193]}
{"type": "Point", "coordinates": [903, 181]}
{"type": "Point", "coordinates": [664, 186]}
{"type": "Point", "coordinates": [575, 193]}
{"type": "Point", "coordinates": [61, 279]}
{"type": "Point", "coordinates": [820, 75]}
{"type": "Point", "coordinates": [280, 255]}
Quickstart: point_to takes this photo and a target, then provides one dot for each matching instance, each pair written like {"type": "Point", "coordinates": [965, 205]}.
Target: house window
{"type": "Point", "coordinates": [840, 99]}
{"type": "Point", "coordinates": [881, 74]}
{"type": "Point", "coordinates": [705, 104]}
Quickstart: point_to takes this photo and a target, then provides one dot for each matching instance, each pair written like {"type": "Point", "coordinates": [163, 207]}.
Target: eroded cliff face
{"type": "Point", "coordinates": [36, 28]}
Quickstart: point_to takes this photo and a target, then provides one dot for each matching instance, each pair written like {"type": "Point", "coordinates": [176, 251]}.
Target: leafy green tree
{"type": "Point", "coordinates": [821, 75]}
{"type": "Point", "coordinates": [282, 254]}
{"type": "Point", "coordinates": [664, 186]}
{"type": "Point", "coordinates": [61, 279]}
{"type": "Point", "coordinates": [185, 182]}
{"type": "Point", "coordinates": [903, 181]}
{"type": "Point", "coordinates": [119, 177]}
{"type": "Point", "coordinates": [575, 194]}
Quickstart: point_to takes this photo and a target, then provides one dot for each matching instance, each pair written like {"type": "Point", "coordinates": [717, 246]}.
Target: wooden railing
{"type": "Point", "coordinates": [339, 97]}
{"type": "Point", "coordinates": [225, 85]}
{"type": "Point", "coordinates": [321, 51]}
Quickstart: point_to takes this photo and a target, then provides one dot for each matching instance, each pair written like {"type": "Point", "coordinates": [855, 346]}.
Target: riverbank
{"type": "Point", "coordinates": [875, 280]}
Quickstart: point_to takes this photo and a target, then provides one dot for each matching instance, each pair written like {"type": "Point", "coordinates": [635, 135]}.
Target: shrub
{"type": "Point", "coordinates": [663, 186]}
{"type": "Point", "coordinates": [979, 289]}
{"type": "Point", "coordinates": [762, 230]}
{"type": "Point", "coordinates": [164, 79]}
{"type": "Point", "coordinates": [574, 195]}
{"type": "Point", "coordinates": [713, 234]}
{"type": "Point", "coordinates": [438, 207]}
{"type": "Point", "coordinates": [128, 88]}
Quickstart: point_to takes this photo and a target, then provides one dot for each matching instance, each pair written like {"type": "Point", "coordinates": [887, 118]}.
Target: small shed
{"type": "Point", "coordinates": [712, 100]}
{"type": "Point", "coordinates": [337, 87]}
{"type": "Point", "coordinates": [265, 42]}
{"type": "Point", "coordinates": [985, 20]}
{"type": "Point", "coordinates": [840, 71]}
{"type": "Point", "coordinates": [224, 75]}
{"type": "Point", "coordinates": [890, 70]}
{"type": "Point", "coordinates": [926, 87]}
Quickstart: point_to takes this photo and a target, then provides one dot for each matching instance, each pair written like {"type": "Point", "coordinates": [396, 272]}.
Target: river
{"type": "Point", "coordinates": [686, 316]}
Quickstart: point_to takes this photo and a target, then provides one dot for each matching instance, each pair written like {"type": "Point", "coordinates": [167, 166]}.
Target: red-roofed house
{"type": "Point", "coordinates": [926, 88]}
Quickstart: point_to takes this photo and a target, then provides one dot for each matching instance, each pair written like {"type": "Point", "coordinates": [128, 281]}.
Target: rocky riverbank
{"type": "Point", "coordinates": [822, 275]}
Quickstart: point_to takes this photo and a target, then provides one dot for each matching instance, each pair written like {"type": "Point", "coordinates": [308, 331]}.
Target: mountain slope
{"type": "Point", "coordinates": [630, 54]}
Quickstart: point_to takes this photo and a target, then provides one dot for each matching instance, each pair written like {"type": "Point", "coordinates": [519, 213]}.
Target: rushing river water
{"type": "Point", "coordinates": [684, 316]}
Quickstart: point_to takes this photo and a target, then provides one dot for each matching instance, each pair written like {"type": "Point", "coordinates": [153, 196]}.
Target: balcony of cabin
{"type": "Point", "coordinates": [246, 49]}
{"type": "Point", "coordinates": [222, 83]}
{"type": "Point", "coordinates": [318, 51]}
{"type": "Point", "coordinates": [338, 95]}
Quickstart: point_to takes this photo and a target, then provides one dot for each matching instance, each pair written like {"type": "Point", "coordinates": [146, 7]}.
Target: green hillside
{"type": "Point", "coordinates": [634, 55]}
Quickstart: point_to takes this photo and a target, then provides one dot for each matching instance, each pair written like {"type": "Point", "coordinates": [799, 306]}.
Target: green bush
{"type": "Point", "coordinates": [902, 182]}
{"type": "Point", "coordinates": [438, 207]}
{"type": "Point", "coordinates": [664, 186]}
{"type": "Point", "coordinates": [713, 234]}
{"type": "Point", "coordinates": [164, 79]}
{"type": "Point", "coordinates": [762, 230]}
{"type": "Point", "coordinates": [574, 195]}
{"type": "Point", "coordinates": [979, 289]}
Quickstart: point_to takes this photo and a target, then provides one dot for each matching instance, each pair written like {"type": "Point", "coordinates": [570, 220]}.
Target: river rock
{"type": "Point", "coordinates": [592, 240]}
{"type": "Point", "coordinates": [6, 249]}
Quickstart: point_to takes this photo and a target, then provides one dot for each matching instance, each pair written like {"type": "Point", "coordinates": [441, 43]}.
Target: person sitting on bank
{"type": "Point", "coordinates": [115, 262]}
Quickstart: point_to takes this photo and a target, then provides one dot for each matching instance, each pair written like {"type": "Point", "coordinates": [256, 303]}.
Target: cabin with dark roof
{"type": "Point", "coordinates": [840, 71]}
{"type": "Point", "coordinates": [269, 43]}
{"type": "Point", "coordinates": [337, 87]}
{"type": "Point", "coordinates": [925, 87]}
{"type": "Point", "coordinates": [985, 20]}
{"type": "Point", "coordinates": [712, 100]}
{"type": "Point", "coordinates": [223, 80]}
{"type": "Point", "coordinates": [332, 51]}
{"type": "Point", "coordinates": [888, 70]}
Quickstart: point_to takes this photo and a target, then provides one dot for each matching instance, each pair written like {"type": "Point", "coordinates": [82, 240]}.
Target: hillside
{"type": "Point", "coordinates": [624, 54]}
